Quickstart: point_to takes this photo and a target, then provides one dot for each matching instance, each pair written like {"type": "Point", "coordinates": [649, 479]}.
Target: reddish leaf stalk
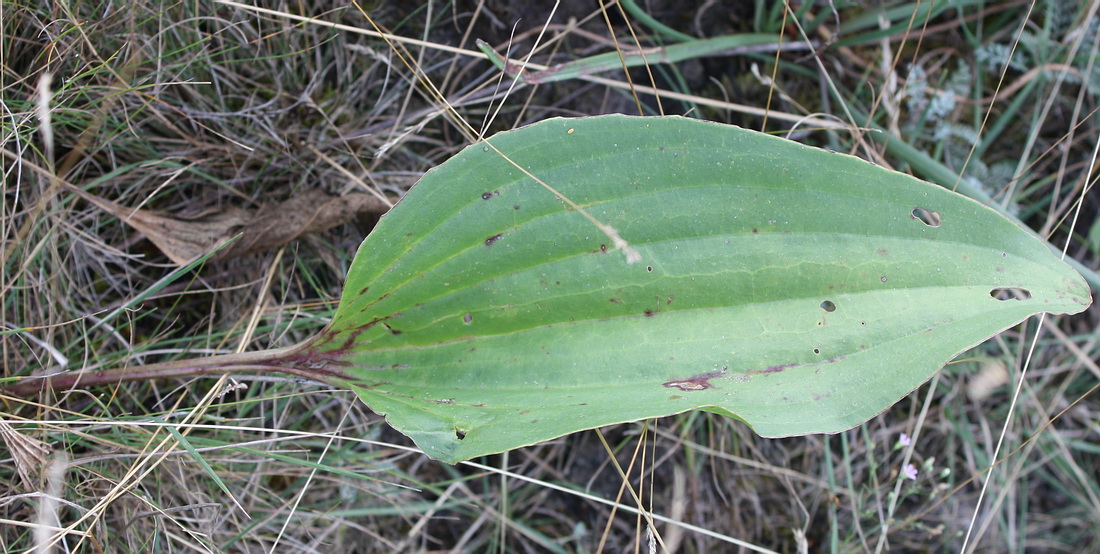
{"type": "Point", "coordinates": [287, 361]}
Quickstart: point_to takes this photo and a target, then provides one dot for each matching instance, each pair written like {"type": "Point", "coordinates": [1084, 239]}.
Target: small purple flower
{"type": "Point", "coordinates": [910, 472]}
{"type": "Point", "coordinates": [904, 440]}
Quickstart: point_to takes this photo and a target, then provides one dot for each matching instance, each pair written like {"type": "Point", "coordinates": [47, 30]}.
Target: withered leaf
{"type": "Point", "coordinates": [271, 226]}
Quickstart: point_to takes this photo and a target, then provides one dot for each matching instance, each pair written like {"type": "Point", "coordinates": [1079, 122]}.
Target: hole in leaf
{"type": "Point", "coordinates": [927, 217]}
{"type": "Point", "coordinates": [460, 433]}
{"type": "Point", "coordinates": [828, 306]}
{"type": "Point", "coordinates": [817, 350]}
{"type": "Point", "coordinates": [1010, 293]}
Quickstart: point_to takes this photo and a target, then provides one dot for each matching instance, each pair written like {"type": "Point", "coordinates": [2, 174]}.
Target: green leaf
{"type": "Point", "coordinates": [798, 290]}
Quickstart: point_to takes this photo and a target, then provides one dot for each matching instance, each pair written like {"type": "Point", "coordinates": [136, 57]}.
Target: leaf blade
{"type": "Point", "coordinates": [483, 314]}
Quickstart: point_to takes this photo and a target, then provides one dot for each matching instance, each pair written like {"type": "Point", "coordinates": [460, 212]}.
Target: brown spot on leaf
{"type": "Point", "coordinates": [770, 369]}
{"type": "Point", "coordinates": [489, 241]}
{"type": "Point", "coordinates": [695, 382]}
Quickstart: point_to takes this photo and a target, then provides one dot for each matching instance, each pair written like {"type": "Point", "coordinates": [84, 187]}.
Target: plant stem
{"type": "Point", "coordinates": [291, 360]}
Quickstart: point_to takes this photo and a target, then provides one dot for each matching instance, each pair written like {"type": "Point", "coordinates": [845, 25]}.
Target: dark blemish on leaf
{"type": "Point", "coordinates": [649, 313]}
{"type": "Point", "coordinates": [1010, 293]}
{"type": "Point", "coordinates": [488, 195]}
{"type": "Point", "coordinates": [817, 350]}
{"type": "Point", "coordinates": [353, 337]}
{"type": "Point", "coordinates": [614, 301]}
{"type": "Point", "coordinates": [883, 278]}
{"type": "Point", "coordinates": [516, 207]}
{"type": "Point", "coordinates": [603, 248]}
{"type": "Point", "coordinates": [364, 290]}
{"type": "Point", "coordinates": [649, 268]}
{"type": "Point", "coordinates": [927, 217]}
{"type": "Point", "coordinates": [668, 302]}
{"type": "Point", "coordinates": [828, 306]}
{"type": "Point", "coordinates": [771, 369]}
{"type": "Point", "coordinates": [882, 252]}
{"type": "Point", "coordinates": [468, 318]}
{"type": "Point", "coordinates": [755, 231]}
{"type": "Point", "coordinates": [779, 368]}
{"type": "Point", "coordinates": [1004, 254]}
{"type": "Point", "coordinates": [460, 433]}
{"type": "Point", "coordinates": [489, 241]}
{"type": "Point", "coordinates": [696, 382]}
{"type": "Point", "coordinates": [863, 323]}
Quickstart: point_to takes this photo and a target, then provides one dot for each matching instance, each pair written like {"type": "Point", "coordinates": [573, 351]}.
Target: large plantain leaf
{"type": "Point", "coordinates": [798, 290]}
